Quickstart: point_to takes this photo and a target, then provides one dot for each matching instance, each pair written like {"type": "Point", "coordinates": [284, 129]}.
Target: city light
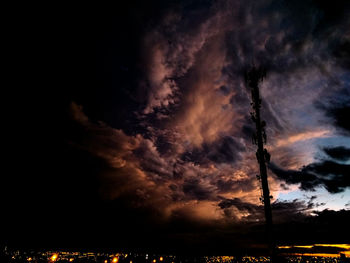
{"type": "Point", "coordinates": [320, 254]}
{"type": "Point", "coordinates": [54, 257]}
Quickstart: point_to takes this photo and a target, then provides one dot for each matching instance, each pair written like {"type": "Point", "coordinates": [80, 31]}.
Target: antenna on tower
{"type": "Point", "coordinates": [253, 77]}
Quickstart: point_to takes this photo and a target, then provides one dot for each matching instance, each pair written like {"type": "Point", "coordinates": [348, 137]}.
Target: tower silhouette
{"type": "Point", "coordinates": [253, 77]}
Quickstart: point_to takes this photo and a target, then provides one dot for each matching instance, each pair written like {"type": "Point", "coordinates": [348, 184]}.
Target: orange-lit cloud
{"type": "Point", "coordinates": [308, 135]}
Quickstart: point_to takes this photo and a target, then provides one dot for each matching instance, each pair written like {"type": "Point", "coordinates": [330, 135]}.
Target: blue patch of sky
{"type": "Point", "coordinates": [332, 201]}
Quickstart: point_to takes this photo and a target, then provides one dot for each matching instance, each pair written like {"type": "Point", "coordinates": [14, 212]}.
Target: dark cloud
{"type": "Point", "coordinates": [337, 109]}
{"type": "Point", "coordinates": [294, 177]}
{"type": "Point", "coordinates": [230, 185]}
{"type": "Point", "coordinates": [302, 22]}
{"type": "Point", "coordinates": [233, 208]}
{"type": "Point", "coordinates": [283, 211]}
{"type": "Point", "coordinates": [152, 162]}
{"type": "Point", "coordinates": [339, 114]}
{"type": "Point", "coordinates": [239, 204]}
{"type": "Point", "coordinates": [224, 90]}
{"type": "Point", "coordinates": [342, 53]}
{"type": "Point", "coordinates": [340, 153]}
{"type": "Point", "coordinates": [333, 176]}
{"type": "Point", "coordinates": [294, 221]}
{"type": "Point", "coordinates": [226, 149]}
{"type": "Point", "coordinates": [296, 210]}
{"type": "Point", "coordinates": [194, 190]}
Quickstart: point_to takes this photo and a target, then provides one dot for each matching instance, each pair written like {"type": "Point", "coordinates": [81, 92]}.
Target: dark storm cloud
{"type": "Point", "coordinates": [151, 161]}
{"type": "Point", "coordinates": [340, 115]}
{"type": "Point", "coordinates": [194, 190]}
{"type": "Point", "coordinates": [294, 221]}
{"type": "Point", "coordinates": [337, 107]}
{"type": "Point", "coordinates": [289, 211]}
{"type": "Point", "coordinates": [305, 22]}
{"type": "Point", "coordinates": [226, 149]}
{"type": "Point", "coordinates": [234, 207]}
{"type": "Point", "coordinates": [230, 185]}
{"type": "Point", "coordinates": [340, 153]}
{"type": "Point", "coordinates": [333, 176]}
{"type": "Point", "coordinates": [342, 53]}
{"type": "Point", "coordinates": [136, 169]}
{"type": "Point", "coordinates": [238, 203]}
{"type": "Point", "coordinates": [283, 211]}
{"type": "Point", "coordinates": [294, 177]}
{"type": "Point", "coordinates": [283, 44]}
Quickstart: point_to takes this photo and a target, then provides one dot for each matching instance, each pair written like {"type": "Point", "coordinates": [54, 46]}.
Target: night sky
{"type": "Point", "coordinates": [129, 126]}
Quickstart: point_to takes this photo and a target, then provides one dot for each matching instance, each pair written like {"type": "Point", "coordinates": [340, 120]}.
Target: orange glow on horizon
{"type": "Point", "coordinates": [283, 247]}
{"type": "Point", "coordinates": [346, 251]}
{"type": "Point", "coordinates": [161, 259]}
{"type": "Point", "coordinates": [345, 246]}
{"type": "Point", "coordinates": [115, 260]}
{"type": "Point", "coordinates": [327, 255]}
{"type": "Point", "coordinates": [305, 246]}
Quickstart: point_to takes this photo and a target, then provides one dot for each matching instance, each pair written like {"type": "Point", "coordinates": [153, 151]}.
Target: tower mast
{"type": "Point", "coordinates": [253, 77]}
